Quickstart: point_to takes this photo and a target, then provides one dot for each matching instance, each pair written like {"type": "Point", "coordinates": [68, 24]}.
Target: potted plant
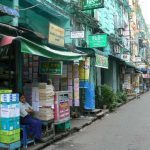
{"type": "Point", "coordinates": [107, 96]}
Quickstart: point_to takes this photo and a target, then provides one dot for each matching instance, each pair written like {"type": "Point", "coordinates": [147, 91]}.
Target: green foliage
{"type": "Point", "coordinates": [108, 98]}
{"type": "Point", "coordinates": [121, 97]}
{"type": "Point", "coordinates": [98, 97]}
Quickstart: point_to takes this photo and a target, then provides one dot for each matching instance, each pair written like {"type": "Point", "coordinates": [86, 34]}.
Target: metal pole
{"type": "Point", "coordinates": [15, 6]}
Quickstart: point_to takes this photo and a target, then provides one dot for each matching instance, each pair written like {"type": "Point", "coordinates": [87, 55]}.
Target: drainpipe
{"type": "Point", "coordinates": [15, 6]}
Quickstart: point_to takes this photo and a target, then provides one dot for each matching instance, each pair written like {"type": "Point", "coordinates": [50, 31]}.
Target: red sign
{"type": "Point", "coordinates": [146, 76]}
{"type": "Point", "coordinates": [61, 106]}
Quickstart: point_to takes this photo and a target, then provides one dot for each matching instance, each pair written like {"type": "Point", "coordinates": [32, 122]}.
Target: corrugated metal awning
{"type": "Point", "coordinates": [30, 47]}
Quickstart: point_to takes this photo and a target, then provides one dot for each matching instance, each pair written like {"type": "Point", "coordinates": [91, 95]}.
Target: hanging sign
{"type": "Point", "coordinates": [77, 34]}
{"type": "Point", "coordinates": [51, 67]}
{"type": "Point", "coordinates": [56, 35]}
{"type": "Point", "coordinates": [98, 40]}
{"type": "Point", "coordinates": [126, 57]}
{"type": "Point", "coordinates": [146, 76]}
{"type": "Point", "coordinates": [92, 4]}
{"type": "Point", "coordinates": [101, 61]}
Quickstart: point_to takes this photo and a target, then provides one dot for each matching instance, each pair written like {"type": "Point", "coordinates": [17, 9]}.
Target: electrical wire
{"type": "Point", "coordinates": [29, 7]}
{"type": "Point", "coordinates": [43, 3]}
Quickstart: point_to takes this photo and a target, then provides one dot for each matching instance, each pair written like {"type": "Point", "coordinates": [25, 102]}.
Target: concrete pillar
{"type": "Point", "coordinates": [114, 76]}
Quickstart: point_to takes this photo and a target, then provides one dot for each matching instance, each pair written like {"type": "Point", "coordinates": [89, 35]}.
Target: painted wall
{"type": "Point", "coordinates": [37, 20]}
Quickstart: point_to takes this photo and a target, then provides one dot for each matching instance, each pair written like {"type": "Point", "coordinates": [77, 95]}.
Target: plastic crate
{"type": "Point", "coordinates": [63, 126]}
{"type": "Point", "coordinates": [9, 136]}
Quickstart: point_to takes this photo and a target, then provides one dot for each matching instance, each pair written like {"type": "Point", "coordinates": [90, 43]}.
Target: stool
{"type": "Point", "coordinates": [25, 139]}
{"type": "Point", "coordinates": [49, 128]}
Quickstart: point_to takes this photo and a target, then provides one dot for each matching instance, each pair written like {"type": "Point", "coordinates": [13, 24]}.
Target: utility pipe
{"type": "Point", "coordinates": [15, 6]}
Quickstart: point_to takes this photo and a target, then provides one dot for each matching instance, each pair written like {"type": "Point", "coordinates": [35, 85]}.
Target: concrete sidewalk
{"type": "Point", "coordinates": [76, 125]}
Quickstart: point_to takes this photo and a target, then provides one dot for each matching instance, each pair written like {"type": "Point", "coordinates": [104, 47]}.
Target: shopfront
{"type": "Point", "coordinates": [26, 67]}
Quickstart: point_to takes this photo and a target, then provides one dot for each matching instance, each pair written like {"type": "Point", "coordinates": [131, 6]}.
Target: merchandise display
{"type": "Point", "coordinates": [45, 101]}
{"type": "Point", "coordinates": [9, 117]}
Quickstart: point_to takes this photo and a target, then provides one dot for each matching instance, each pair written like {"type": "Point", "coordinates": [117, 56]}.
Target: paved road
{"type": "Point", "coordinates": [126, 129]}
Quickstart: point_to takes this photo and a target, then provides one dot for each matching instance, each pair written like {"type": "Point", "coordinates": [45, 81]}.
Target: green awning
{"type": "Point", "coordinates": [30, 47]}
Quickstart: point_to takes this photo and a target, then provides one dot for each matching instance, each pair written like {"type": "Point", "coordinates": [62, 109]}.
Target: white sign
{"type": "Point", "coordinates": [137, 59]}
{"type": "Point", "coordinates": [77, 34]}
{"type": "Point", "coordinates": [56, 35]}
{"type": "Point", "coordinates": [141, 65]}
{"type": "Point", "coordinates": [125, 57]}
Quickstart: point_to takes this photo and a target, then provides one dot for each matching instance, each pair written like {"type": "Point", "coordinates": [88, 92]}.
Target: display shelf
{"type": "Point", "coordinates": [6, 59]}
{"type": "Point", "coordinates": [6, 76]}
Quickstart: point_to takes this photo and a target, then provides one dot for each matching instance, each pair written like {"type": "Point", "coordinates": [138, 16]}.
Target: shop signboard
{"type": "Point", "coordinates": [92, 4]}
{"type": "Point", "coordinates": [101, 61]}
{"type": "Point", "coordinates": [51, 67]}
{"type": "Point", "coordinates": [77, 34]}
{"type": "Point", "coordinates": [146, 76]}
{"type": "Point", "coordinates": [98, 40]}
{"type": "Point", "coordinates": [56, 35]}
{"type": "Point", "coordinates": [126, 57]}
{"type": "Point", "coordinates": [138, 59]}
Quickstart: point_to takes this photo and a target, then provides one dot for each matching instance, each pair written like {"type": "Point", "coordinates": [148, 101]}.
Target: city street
{"type": "Point", "coordinates": [126, 129]}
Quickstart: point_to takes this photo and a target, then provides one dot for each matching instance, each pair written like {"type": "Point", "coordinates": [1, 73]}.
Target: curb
{"type": "Point", "coordinates": [77, 129]}
{"type": "Point", "coordinates": [72, 131]}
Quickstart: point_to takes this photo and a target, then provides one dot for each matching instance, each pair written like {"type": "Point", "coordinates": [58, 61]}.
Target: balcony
{"type": "Point", "coordinates": [49, 7]}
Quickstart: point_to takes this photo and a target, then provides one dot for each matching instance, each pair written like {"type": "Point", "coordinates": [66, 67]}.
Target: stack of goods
{"type": "Point", "coordinates": [35, 97]}
{"type": "Point", "coordinates": [28, 92]}
{"type": "Point", "coordinates": [70, 89]}
{"type": "Point", "coordinates": [46, 102]}
{"type": "Point", "coordinates": [25, 68]}
{"type": "Point", "coordinates": [56, 81]}
{"type": "Point", "coordinates": [35, 68]}
{"type": "Point", "coordinates": [30, 68]}
{"type": "Point", "coordinates": [76, 84]}
{"type": "Point", "coordinates": [9, 117]}
{"type": "Point", "coordinates": [64, 85]}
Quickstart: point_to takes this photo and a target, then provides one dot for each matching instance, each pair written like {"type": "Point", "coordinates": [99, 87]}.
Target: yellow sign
{"type": "Point", "coordinates": [84, 69]}
{"type": "Point", "coordinates": [56, 35]}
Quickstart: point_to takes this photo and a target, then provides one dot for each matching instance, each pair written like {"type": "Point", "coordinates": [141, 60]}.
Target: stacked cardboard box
{"type": "Point", "coordinates": [28, 92]}
{"type": "Point", "coordinates": [9, 118]}
{"type": "Point", "coordinates": [70, 85]}
{"type": "Point", "coordinates": [46, 102]}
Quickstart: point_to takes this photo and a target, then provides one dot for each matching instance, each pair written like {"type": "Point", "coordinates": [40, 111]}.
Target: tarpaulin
{"type": "Point", "coordinates": [4, 10]}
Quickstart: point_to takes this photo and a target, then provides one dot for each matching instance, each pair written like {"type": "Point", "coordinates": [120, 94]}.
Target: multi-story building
{"type": "Point", "coordinates": [120, 20]}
